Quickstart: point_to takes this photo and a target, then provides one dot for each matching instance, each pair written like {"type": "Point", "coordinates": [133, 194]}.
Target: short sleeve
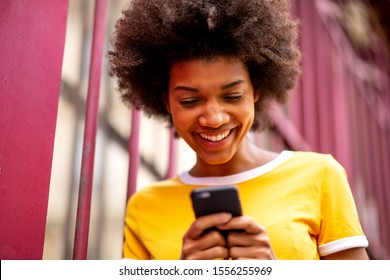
{"type": "Point", "coordinates": [133, 248]}
{"type": "Point", "coordinates": [340, 225]}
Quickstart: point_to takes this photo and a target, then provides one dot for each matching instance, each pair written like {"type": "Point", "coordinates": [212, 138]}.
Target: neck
{"type": "Point", "coordinates": [247, 157]}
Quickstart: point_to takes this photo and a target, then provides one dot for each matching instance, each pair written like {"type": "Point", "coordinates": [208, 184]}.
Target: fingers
{"type": "Point", "coordinates": [252, 252]}
{"type": "Point", "coordinates": [242, 223]}
{"type": "Point", "coordinates": [246, 239]}
{"type": "Point", "coordinates": [210, 254]}
{"type": "Point", "coordinates": [206, 222]}
{"type": "Point", "coordinates": [252, 243]}
{"type": "Point", "coordinates": [213, 238]}
{"type": "Point", "coordinates": [197, 245]}
{"type": "Point", "coordinates": [208, 247]}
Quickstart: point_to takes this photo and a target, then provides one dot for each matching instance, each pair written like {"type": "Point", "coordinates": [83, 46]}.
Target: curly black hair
{"type": "Point", "coordinates": [151, 35]}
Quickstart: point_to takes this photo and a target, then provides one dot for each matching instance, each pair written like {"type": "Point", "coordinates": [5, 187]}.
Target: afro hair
{"type": "Point", "coordinates": [151, 35]}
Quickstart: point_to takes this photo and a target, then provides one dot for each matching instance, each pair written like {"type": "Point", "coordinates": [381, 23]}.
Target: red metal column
{"type": "Point", "coordinates": [172, 154]}
{"type": "Point", "coordinates": [86, 176]}
{"type": "Point", "coordinates": [32, 36]}
{"type": "Point", "coordinates": [133, 152]}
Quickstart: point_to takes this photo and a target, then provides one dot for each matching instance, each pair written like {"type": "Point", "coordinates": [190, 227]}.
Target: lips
{"type": "Point", "coordinates": [215, 137]}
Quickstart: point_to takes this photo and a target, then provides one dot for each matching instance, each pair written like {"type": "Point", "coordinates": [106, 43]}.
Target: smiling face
{"type": "Point", "coordinates": [212, 108]}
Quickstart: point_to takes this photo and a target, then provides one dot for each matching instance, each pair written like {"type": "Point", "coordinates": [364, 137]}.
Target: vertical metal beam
{"type": "Point", "coordinates": [172, 154]}
{"type": "Point", "coordinates": [88, 156]}
{"type": "Point", "coordinates": [133, 152]}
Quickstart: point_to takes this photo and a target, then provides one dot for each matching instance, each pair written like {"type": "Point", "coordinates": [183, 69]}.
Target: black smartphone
{"type": "Point", "coordinates": [213, 200]}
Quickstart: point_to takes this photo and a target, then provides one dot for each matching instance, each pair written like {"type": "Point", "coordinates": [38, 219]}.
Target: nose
{"type": "Point", "coordinates": [213, 116]}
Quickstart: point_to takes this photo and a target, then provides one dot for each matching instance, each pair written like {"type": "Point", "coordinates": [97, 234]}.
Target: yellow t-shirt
{"type": "Point", "coordinates": [302, 199]}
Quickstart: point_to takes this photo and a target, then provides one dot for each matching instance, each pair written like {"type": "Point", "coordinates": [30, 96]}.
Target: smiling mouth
{"type": "Point", "coordinates": [215, 138]}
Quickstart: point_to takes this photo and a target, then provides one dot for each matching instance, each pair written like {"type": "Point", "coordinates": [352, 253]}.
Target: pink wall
{"type": "Point", "coordinates": [32, 35]}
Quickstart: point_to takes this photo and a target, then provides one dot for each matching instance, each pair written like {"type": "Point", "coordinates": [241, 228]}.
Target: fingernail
{"type": "Point", "coordinates": [226, 216]}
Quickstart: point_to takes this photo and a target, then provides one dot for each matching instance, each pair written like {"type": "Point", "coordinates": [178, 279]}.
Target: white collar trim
{"type": "Point", "coordinates": [186, 178]}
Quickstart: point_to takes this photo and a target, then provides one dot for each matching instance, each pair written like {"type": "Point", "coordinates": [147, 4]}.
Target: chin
{"type": "Point", "coordinates": [216, 161]}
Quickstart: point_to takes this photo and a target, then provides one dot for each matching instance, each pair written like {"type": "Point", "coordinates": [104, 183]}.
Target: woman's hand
{"type": "Point", "coordinates": [247, 240]}
{"type": "Point", "coordinates": [252, 243]}
{"type": "Point", "coordinates": [205, 246]}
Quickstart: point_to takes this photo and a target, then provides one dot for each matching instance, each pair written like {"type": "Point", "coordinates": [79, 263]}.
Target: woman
{"type": "Point", "coordinates": [211, 68]}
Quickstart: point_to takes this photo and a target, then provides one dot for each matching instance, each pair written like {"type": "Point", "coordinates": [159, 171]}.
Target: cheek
{"type": "Point", "coordinates": [247, 112]}
{"type": "Point", "coordinates": [181, 121]}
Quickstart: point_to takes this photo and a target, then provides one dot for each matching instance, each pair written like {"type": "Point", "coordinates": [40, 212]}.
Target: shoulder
{"type": "Point", "coordinates": [316, 160]}
{"type": "Point", "coordinates": [314, 156]}
{"type": "Point", "coordinates": [321, 169]}
{"type": "Point", "coordinates": [158, 187]}
{"type": "Point", "coordinates": [157, 191]}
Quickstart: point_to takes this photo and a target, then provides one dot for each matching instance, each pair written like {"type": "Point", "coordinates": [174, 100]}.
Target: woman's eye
{"type": "Point", "coordinates": [188, 102]}
{"type": "Point", "coordinates": [233, 98]}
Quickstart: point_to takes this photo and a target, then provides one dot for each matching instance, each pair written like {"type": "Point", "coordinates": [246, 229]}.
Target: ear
{"type": "Point", "coordinates": [256, 95]}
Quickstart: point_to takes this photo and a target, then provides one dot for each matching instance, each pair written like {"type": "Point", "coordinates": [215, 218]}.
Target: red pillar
{"type": "Point", "coordinates": [80, 249]}
{"type": "Point", "coordinates": [32, 35]}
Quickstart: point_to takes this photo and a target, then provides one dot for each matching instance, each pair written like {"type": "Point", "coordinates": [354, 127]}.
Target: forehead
{"type": "Point", "coordinates": [222, 68]}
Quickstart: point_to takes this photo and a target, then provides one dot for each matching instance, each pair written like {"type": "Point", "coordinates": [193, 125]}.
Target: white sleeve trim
{"type": "Point", "coordinates": [343, 244]}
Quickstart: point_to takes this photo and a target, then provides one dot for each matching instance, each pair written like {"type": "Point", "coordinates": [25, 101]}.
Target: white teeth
{"type": "Point", "coordinates": [215, 138]}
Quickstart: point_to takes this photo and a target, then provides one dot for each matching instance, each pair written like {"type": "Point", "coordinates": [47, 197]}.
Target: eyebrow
{"type": "Point", "coordinates": [186, 88]}
{"type": "Point", "coordinates": [223, 87]}
{"type": "Point", "coordinates": [233, 84]}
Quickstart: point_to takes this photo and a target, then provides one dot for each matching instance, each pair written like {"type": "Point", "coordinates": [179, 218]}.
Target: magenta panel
{"type": "Point", "coordinates": [32, 35]}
